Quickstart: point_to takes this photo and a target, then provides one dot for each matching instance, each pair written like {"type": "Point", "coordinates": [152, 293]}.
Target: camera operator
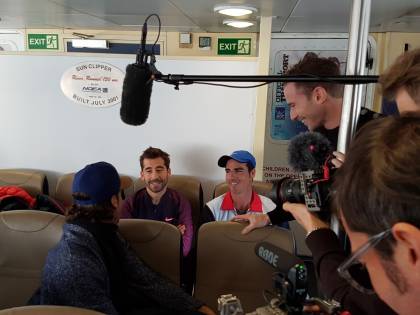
{"type": "Point", "coordinates": [400, 82]}
{"type": "Point", "coordinates": [318, 105]}
{"type": "Point", "coordinates": [378, 194]}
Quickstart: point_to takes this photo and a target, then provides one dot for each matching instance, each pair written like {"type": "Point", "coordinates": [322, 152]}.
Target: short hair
{"type": "Point", "coordinates": [379, 183]}
{"type": "Point", "coordinates": [403, 73]}
{"type": "Point", "coordinates": [154, 153]}
{"type": "Point", "coordinates": [314, 65]}
{"type": "Point", "coordinates": [94, 213]}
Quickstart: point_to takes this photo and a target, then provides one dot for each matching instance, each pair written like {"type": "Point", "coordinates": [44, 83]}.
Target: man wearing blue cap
{"type": "Point", "coordinates": [241, 198]}
{"type": "Point", "coordinates": [93, 267]}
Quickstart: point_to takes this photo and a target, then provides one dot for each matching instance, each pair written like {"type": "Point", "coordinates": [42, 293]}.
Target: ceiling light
{"type": "Point", "coordinates": [238, 23]}
{"type": "Point", "coordinates": [89, 43]}
{"type": "Point", "coordinates": [234, 10]}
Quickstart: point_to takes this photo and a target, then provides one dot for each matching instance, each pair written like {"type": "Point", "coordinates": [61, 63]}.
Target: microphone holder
{"type": "Point", "coordinates": [177, 79]}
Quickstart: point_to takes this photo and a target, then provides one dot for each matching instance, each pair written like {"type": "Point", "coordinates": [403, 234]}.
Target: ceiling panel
{"type": "Point", "coordinates": [198, 16]}
{"type": "Point", "coordinates": [202, 12]}
{"type": "Point", "coordinates": [334, 16]}
{"type": "Point", "coordinates": [22, 7]}
{"type": "Point", "coordinates": [169, 23]}
{"type": "Point", "coordinates": [120, 7]}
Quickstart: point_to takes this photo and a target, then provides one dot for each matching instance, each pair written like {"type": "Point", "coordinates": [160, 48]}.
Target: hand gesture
{"type": "Point", "coordinates": [255, 221]}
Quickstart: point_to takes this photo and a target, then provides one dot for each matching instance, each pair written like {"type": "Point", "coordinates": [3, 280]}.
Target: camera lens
{"type": "Point", "coordinates": [290, 190]}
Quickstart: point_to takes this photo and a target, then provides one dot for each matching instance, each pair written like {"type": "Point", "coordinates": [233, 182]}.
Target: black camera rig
{"type": "Point", "coordinates": [290, 287]}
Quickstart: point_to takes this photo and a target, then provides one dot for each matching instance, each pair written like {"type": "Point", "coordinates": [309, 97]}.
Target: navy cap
{"type": "Point", "coordinates": [99, 181]}
{"type": "Point", "coordinates": [241, 156]}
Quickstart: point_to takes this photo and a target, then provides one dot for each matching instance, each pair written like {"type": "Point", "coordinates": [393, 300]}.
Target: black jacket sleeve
{"type": "Point", "coordinates": [278, 216]}
{"type": "Point", "coordinates": [328, 255]}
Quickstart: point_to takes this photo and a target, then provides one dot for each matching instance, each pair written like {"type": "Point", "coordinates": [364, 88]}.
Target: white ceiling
{"type": "Point", "coordinates": [198, 16]}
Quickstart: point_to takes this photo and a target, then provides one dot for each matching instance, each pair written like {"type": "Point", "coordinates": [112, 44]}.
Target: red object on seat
{"type": "Point", "coordinates": [14, 191]}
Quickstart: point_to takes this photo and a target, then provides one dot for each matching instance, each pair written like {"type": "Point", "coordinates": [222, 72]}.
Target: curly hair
{"type": "Point", "coordinates": [404, 72]}
{"type": "Point", "coordinates": [154, 153]}
{"type": "Point", "coordinates": [312, 64]}
{"type": "Point", "coordinates": [95, 213]}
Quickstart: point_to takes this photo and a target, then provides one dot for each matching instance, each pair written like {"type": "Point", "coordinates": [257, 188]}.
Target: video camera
{"type": "Point", "coordinates": [290, 287]}
{"type": "Point", "coordinates": [309, 155]}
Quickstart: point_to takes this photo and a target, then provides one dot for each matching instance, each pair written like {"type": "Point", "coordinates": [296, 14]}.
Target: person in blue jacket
{"type": "Point", "coordinates": [93, 267]}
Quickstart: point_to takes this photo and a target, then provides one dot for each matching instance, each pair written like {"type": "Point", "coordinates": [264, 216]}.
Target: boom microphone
{"type": "Point", "coordinates": [309, 151]}
{"type": "Point", "coordinates": [138, 82]}
{"type": "Point", "coordinates": [137, 89]}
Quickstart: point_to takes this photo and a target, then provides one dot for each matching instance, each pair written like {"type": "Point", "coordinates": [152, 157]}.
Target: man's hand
{"type": "Point", "coordinates": [255, 221]}
{"type": "Point", "coordinates": [305, 218]}
{"type": "Point", "coordinates": [338, 159]}
{"type": "Point", "coordinates": [206, 310]}
{"type": "Point", "coordinates": [181, 228]}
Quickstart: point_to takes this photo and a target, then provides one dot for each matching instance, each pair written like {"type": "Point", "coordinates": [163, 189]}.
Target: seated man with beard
{"type": "Point", "coordinates": [158, 202]}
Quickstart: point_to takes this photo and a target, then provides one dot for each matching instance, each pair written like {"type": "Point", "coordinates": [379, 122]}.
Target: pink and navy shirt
{"type": "Point", "coordinates": [173, 208]}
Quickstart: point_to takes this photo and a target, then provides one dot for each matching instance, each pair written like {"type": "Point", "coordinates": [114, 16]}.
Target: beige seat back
{"type": "Point", "coordinates": [188, 186]}
{"type": "Point", "coordinates": [265, 189]}
{"type": "Point", "coordinates": [33, 182]}
{"type": "Point", "coordinates": [262, 188]}
{"type": "Point", "coordinates": [226, 262]}
{"type": "Point", "coordinates": [26, 236]}
{"type": "Point", "coordinates": [47, 310]}
{"type": "Point", "coordinates": [156, 243]}
{"type": "Point", "coordinates": [63, 190]}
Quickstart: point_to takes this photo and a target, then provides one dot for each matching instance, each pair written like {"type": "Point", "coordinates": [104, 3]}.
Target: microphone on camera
{"type": "Point", "coordinates": [292, 277]}
{"type": "Point", "coordinates": [309, 151]}
{"type": "Point", "coordinates": [276, 257]}
{"type": "Point", "coordinates": [137, 85]}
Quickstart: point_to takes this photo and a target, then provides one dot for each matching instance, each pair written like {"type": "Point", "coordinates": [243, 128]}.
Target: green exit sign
{"type": "Point", "coordinates": [234, 46]}
{"type": "Point", "coordinates": [43, 41]}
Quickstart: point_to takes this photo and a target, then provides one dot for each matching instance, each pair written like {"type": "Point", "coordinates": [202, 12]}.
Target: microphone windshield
{"type": "Point", "coordinates": [136, 92]}
{"type": "Point", "coordinates": [308, 151]}
{"type": "Point", "coordinates": [276, 257]}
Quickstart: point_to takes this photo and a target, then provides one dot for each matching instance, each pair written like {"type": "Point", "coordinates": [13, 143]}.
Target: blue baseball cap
{"type": "Point", "coordinates": [99, 181]}
{"type": "Point", "coordinates": [241, 156]}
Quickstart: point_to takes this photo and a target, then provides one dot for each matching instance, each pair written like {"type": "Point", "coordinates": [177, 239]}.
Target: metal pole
{"type": "Point", "coordinates": [356, 59]}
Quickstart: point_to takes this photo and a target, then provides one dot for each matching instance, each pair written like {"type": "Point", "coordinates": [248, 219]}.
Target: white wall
{"type": "Point", "coordinates": [42, 129]}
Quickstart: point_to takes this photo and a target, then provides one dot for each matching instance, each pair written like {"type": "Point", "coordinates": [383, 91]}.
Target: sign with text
{"type": "Point", "coordinates": [234, 46]}
{"type": "Point", "coordinates": [43, 41]}
{"type": "Point", "coordinates": [93, 84]}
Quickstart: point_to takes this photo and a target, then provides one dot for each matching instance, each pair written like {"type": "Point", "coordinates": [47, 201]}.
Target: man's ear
{"type": "Point", "coordinates": [319, 94]}
{"type": "Point", "coordinates": [142, 175]}
{"type": "Point", "coordinates": [408, 239]}
{"type": "Point", "coordinates": [252, 173]}
{"type": "Point", "coordinates": [169, 171]}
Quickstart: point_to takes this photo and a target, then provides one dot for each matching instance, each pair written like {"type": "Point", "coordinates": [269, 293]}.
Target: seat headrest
{"type": "Point", "coordinates": [156, 243]}
{"type": "Point", "coordinates": [32, 181]}
{"type": "Point", "coordinates": [231, 231]}
{"type": "Point", "coordinates": [28, 220]}
{"type": "Point", "coordinates": [26, 236]}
